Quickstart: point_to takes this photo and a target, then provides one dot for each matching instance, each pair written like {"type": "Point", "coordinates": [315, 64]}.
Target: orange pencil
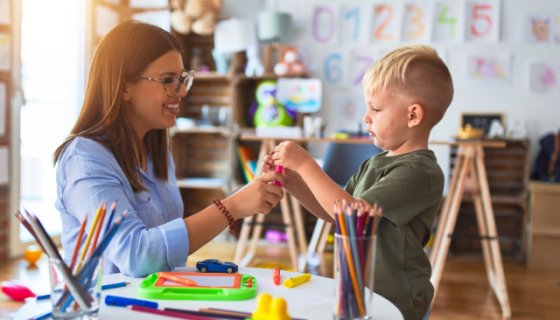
{"type": "Point", "coordinates": [98, 228]}
{"type": "Point", "coordinates": [78, 243]}
{"type": "Point", "coordinates": [90, 235]}
{"type": "Point", "coordinates": [170, 277]}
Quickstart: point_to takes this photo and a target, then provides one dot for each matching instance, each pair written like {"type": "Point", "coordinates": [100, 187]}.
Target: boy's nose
{"type": "Point", "coordinates": [366, 119]}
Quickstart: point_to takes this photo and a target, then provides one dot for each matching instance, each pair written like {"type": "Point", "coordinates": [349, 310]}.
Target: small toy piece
{"type": "Point", "coordinates": [32, 254]}
{"type": "Point", "coordinates": [290, 65]}
{"type": "Point", "coordinates": [15, 290]}
{"type": "Point", "coordinates": [296, 281]}
{"type": "Point", "coordinates": [275, 236]}
{"type": "Point", "coordinates": [268, 309]}
{"type": "Point", "coordinates": [276, 275]}
{"type": "Point", "coordinates": [170, 277]}
{"type": "Point", "coordinates": [213, 265]}
{"type": "Point", "coordinates": [250, 283]}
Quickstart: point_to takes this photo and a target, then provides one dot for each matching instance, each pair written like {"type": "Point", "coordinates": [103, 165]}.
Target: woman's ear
{"type": "Point", "coordinates": [126, 91]}
{"type": "Point", "coordinates": [416, 115]}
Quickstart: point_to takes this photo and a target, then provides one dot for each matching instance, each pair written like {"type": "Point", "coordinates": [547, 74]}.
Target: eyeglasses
{"type": "Point", "coordinates": [172, 85]}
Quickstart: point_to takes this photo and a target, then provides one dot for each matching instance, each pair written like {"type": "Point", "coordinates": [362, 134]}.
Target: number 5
{"type": "Point", "coordinates": [476, 15]}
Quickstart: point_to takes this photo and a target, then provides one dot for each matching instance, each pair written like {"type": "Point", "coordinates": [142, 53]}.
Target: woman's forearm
{"type": "Point", "coordinates": [205, 225]}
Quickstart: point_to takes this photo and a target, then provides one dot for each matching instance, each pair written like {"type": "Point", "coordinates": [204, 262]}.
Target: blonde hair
{"type": "Point", "coordinates": [416, 74]}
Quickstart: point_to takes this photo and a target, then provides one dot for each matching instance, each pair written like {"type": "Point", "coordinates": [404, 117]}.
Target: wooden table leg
{"type": "Point", "coordinates": [284, 206]}
{"type": "Point", "coordinates": [324, 237]}
{"type": "Point", "coordinates": [300, 231]}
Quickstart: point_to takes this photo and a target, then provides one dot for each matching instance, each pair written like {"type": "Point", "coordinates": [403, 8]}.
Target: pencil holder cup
{"type": "Point", "coordinates": [78, 298]}
{"type": "Point", "coordinates": [354, 268]}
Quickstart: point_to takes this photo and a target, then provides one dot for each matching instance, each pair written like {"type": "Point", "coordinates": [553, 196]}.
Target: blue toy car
{"type": "Point", "coordinates": [213, 265]}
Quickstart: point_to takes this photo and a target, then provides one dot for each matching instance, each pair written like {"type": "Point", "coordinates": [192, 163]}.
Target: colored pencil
{"type": "Point", "coordinates": [113, 209]}
{"type": "Point", "coordinates": [231, 312]}
{"type": "Point", "coordinates": [98, 229]}
{"type": "Point", "coordinates": [105, 287]}
{"type": "Point", "coordinates": [207, 314]}
{"type": "Point", "coordinates": [90, 235]}
{"type": "Point", "coordinates": [351, 220]}
{"type": "Point", "coordinates": [167, 313]}
{"type": "Point", "coordinates": [25, 223]}
{"type": "Point", "coordinates": [77, 292]}
{"type": "Point", "coordinates": [78, 242]}
{"type": "Point", "coordinates": [351, 266]}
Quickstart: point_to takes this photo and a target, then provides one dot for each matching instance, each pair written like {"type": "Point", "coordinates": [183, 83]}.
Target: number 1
{"type": "Point", "coordinates": [355, 12]}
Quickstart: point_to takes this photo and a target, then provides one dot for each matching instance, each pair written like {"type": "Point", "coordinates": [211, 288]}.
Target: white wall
{"type": "Point", "coordinates": [541, 113]}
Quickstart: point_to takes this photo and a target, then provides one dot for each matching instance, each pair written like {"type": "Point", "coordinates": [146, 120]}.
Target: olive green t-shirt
{"type": "Point", "coordinates": [409, 187]}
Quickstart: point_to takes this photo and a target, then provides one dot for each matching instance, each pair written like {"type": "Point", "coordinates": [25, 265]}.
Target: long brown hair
{"type": "Point", "coordinates": [123, 54]}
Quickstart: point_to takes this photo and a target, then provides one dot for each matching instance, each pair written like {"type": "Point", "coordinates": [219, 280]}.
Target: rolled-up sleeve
{"type": "Point", "coordinates": [135, 250]}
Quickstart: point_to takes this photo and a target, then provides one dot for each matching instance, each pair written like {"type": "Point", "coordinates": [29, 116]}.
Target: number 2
{"type": "Point", "coordinates": [476, 15]}
{"type": "Point", "coordinates": [379, 31]}
{"type": "Point", "coordinates": [451, 21]}
{"type": "Point", "coordinates": [356, 13]}
{"type": "Point", "coordinates": [417, 20]}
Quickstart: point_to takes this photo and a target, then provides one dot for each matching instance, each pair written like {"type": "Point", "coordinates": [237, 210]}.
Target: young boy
{"type": "Point", "coordinates": [407, 93]}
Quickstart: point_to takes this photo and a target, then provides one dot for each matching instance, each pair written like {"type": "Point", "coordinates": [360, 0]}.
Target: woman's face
{"type": "Point", "coordinates": [149, 104]}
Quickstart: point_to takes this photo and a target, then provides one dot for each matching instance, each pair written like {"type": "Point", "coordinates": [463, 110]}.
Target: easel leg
{"type": "Point", "coordinates": [284, 206]}
{"type": "Point", "coordinates": [500, 281]}
{"type": "Point", "coordinates": [441, 254]}
{"type": "Point", "coordinates": [300, 230]}
{"type": "Point", "coordinates": [246, 227]}
{"type": "Point", "coordinates": [446, 205]}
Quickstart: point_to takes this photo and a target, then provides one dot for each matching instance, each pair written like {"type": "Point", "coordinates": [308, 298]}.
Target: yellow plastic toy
{"type": "Point", "coordinates": [469, 132]}
{"type": "Point", "coordinates": [268, 309]}
{"type": "Point", "coordinates": [32, 254]}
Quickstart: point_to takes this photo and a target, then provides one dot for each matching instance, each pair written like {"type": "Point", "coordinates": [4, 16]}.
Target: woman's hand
{"type": "Point", "coordinates": [293, 179]}
{"type": "Point", "coordinates": [259, 196]}
{"type": "Point", "coordinates": [290, 155]}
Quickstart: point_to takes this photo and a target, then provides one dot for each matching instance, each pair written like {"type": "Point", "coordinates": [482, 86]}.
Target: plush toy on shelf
{"type": "Point", "coordinates": [290, 66]}
{"type": "Point", "coordinates": [197, 16]}
{"type": "Point", "coordinates": [269, 112]}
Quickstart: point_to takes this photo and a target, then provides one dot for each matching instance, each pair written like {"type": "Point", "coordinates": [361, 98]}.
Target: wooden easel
{"type": "Point", "coordinates": [470, 163]}
{"type": "Point", "coordinates": [266, 145]}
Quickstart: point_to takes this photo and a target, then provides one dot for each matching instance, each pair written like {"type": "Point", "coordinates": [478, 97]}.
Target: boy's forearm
{"type": "Point", "coordinates": [324, 189]}
{"type": "Point", "coordinates": [306, 197]}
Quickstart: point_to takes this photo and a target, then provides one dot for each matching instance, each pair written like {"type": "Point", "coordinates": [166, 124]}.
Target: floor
{"type": "Point", "coordinates": [464, 291]}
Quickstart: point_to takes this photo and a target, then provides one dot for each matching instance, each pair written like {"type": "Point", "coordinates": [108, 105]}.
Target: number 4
{"type": "Point", "coordinates": [452, 21]}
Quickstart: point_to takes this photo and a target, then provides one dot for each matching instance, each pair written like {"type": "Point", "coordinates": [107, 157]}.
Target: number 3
{"type": "Point", "coordinates": [476, 16]}
{"type": "Point", "coordinates": [417, 20]}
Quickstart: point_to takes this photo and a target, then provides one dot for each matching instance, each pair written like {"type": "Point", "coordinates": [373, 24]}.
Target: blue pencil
{"type": "Point", "coordinates": [42, 316]}
{"type": "Point", "coordinates": [105, 287]}
{"type": "Point", "coordinates": [113, 209]}
{"type": "Point", "coordinates": [354, 247]}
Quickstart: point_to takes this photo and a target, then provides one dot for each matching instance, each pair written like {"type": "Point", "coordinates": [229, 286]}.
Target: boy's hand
{"type": "Point", "coordinates": [292, 178]}
{"type": "Point", "coordinates": [291, 156]}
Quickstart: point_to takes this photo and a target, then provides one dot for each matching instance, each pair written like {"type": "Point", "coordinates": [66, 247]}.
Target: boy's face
{"type": "Point", "coordinates": [386, 119]}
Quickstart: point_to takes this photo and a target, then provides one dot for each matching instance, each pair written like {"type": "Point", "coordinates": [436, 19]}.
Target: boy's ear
{"type": "Point", "coordinates": [416, 114]}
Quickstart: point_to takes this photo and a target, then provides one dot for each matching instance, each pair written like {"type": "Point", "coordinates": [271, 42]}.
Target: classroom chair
{"type": "Point", "coordinates": [341, 161]}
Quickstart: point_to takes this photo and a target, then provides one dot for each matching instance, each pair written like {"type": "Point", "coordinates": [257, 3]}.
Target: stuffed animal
{"type": "Point", "coordinates": [254, 64]}
{"type": "Point", "coordinates": [290, 65]}
{"type": "Point", "coordinates": [198, 16]}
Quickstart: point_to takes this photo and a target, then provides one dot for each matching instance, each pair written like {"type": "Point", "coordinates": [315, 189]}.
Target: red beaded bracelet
{"type": "Point", "coordinates": [220, 206]}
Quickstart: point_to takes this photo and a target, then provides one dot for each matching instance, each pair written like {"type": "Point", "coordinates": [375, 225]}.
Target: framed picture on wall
{"type": "Point", "coordinates": [482, 120]}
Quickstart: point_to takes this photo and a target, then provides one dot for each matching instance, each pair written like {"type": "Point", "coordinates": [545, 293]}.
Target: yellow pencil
{"type": "Point", "coordinates": [90, 235]}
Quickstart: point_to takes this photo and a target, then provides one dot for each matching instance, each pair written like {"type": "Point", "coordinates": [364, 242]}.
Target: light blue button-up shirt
{"type": "Point", "coordinates": [153, 237]}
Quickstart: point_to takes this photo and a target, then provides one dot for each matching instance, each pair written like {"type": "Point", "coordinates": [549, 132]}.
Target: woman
{"type": "Point", "coordinates": [118, 150]}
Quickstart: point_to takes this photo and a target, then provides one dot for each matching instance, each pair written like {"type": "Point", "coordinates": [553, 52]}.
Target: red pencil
{"type": "Point", "coordinates": [167, 313]}
{"type": "Point", "coordinates": [78, 243]}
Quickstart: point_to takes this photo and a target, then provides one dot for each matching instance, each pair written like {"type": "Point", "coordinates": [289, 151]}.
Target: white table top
{"type": "Point", "coordinates": [311, 300]}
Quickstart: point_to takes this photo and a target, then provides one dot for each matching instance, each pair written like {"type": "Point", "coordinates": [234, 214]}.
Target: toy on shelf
{"type": "Point", "coordinates": [269, 309]}
{"type": "Point", "coordinates": [15, 290]}
{"type": "Point", "coordinates": [269, 112]}
{"type": "Point", "coordinates": [197, 16]}
{"type": "Point", "coordinates": [254, 64]}
{"type": "Point", "coordinates": [469, 132]}
{"type": "Point", "coordinates": [290, 66]}
{"type": "Point", "coordinates": [32, 254]}
{"type": "Point", "coordinates": [213, 265]}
